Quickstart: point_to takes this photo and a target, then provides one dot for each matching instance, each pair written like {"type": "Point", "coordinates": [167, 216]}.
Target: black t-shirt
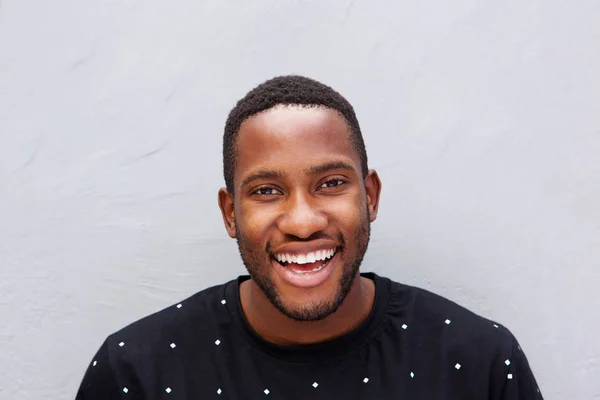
{"type": "Point", "coordinates": [413, 345]}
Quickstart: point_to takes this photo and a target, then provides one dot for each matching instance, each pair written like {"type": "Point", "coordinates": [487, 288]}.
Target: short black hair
{"type": "Point", "coordinates": [287, 90]}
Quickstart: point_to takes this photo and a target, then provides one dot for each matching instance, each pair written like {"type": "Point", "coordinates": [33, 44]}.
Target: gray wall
{"type": "Point", "coordinates": [482, 118]}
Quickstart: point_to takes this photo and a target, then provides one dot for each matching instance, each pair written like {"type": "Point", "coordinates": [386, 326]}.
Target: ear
{"type": "Point", "coordinates": [373, 188]}
{"type": "Point", "coordinates": [226, 205]}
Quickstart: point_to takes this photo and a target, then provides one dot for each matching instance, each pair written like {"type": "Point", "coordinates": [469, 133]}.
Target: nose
{"type": "Point", "coordinates": [301, 217]}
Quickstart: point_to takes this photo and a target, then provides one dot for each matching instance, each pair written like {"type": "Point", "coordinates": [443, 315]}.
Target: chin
{"type": "Point", "coordinates": [311, 304]}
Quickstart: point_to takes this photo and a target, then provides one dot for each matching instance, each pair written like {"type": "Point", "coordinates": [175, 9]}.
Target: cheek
{"type": "Point", "coordinates": [254, 223]}
{"type": "Point", "coordinates": [347, 214]}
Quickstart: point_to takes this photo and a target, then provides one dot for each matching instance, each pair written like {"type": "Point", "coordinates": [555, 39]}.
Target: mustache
{"type": "Point", "coordinates": [315, 236]}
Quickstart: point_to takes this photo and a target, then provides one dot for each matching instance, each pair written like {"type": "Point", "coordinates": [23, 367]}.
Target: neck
{"type": "Point", "coordinates": [273, 326]}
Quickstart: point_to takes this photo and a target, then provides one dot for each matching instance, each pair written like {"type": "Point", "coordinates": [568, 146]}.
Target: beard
{"type": "Point", "coordinates": [311, 311]}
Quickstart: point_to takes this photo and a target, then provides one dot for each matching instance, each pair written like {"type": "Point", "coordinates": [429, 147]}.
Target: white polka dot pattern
{"type": "Point", "coordinates": [416, 331]}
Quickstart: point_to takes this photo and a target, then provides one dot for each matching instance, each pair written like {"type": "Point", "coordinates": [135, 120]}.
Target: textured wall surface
{"type": "Point", "coordinates": [482, 117]}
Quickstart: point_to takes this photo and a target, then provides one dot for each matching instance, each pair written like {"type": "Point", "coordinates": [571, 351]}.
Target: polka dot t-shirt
{"type": "Point", "coordinates": [413, 345]}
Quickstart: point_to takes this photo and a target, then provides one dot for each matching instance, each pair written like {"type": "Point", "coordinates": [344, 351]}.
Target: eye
{"type": "Point", "coordinates": [332, 183]}
{"type": "Point", "coordinates": [266, 191]}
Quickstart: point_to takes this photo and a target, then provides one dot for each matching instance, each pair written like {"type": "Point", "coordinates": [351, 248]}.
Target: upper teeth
{"type": "Point", "coordinates": [306, 258]}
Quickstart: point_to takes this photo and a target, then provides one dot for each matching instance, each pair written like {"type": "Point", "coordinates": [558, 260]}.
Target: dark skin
{"type": "Point", "coordinates": [298, 182]}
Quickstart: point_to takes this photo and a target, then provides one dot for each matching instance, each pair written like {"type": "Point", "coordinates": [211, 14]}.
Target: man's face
{"type": "Point", "coordinates": [302, 211]}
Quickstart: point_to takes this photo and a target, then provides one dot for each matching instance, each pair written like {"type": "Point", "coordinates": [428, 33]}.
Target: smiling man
{"type": "Point", "coordinates": [305, 323]}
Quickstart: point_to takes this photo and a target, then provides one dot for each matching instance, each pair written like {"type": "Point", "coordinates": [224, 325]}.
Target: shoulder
{"type": "Point", "coordinates": [134, 356]}
{"type": "Point", "coordinates": [438, 321]}
{"type": "Point", "coordinates": [468, 352]}
{"type": "Point", "coordinates": [166, 329]}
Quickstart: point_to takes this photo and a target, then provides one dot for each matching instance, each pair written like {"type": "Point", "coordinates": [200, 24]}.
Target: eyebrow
{"type": "Point", "coordinates": [320, 169]}
{"type": "Point", "coordinates": [263, 174]}
{"type": "Point", "coordinates": [314, 170]}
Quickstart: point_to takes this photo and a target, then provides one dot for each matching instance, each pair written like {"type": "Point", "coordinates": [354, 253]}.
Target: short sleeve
{"type": "Point", "coordinates": [99, 382]}
{"type": "Point", "coordinates": [519, 382]}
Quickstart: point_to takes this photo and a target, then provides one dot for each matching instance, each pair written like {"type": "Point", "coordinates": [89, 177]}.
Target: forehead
{"type": "Point", "coordinates": [292, 139]}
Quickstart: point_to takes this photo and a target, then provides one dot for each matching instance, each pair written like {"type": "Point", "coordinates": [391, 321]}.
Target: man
{"type": "Point", "coordinates": [299, 200]}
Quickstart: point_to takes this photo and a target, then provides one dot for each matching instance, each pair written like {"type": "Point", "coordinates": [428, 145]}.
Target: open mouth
{"type": "Point", "coordinates": [306, 263]}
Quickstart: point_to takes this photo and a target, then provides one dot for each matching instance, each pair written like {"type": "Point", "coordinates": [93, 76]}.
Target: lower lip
{"type": "Point", "coordinates": [307, 279]}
